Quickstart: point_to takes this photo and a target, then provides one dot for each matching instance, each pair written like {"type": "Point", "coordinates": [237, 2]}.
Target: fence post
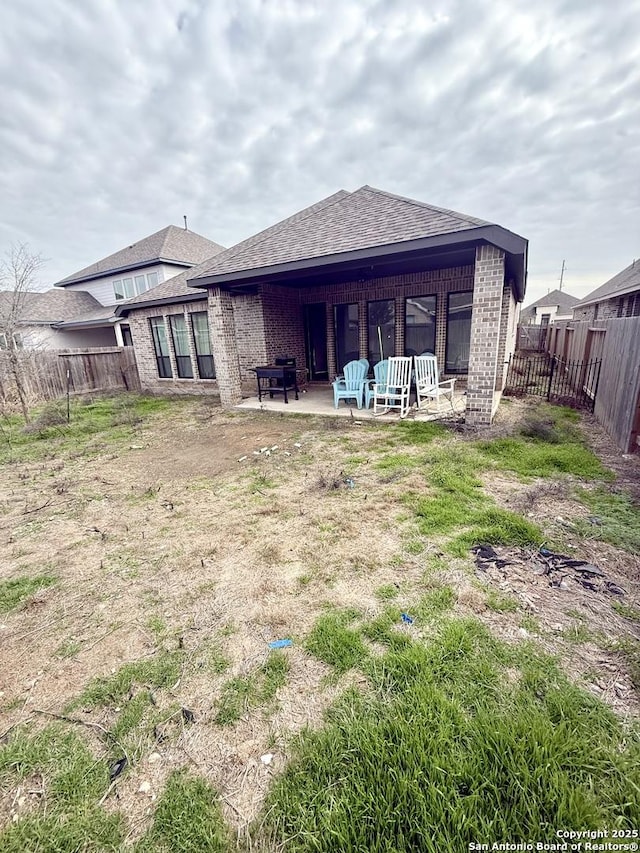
{"type": "Point", "coordinates": [551, 372]}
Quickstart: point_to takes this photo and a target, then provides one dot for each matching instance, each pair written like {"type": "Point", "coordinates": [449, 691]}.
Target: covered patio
{"type": "Point", "coordinates": [366, 275]}
{"type": "Point", "coordinates": [316, 399]}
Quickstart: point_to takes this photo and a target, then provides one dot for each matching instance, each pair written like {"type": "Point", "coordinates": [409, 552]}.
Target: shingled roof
{"type": "Point", "coordinates": [560, 298]}
{"type": "Point", "coordinates": [177, 287]}
{"type": "Point", "coordinates": [50, 306]}
{"type": "Point", "coordinates": [171, 245]}
{"type": "Point", "coordinates": [624, 282]}
{"type": "Point", "coordinates": [343, 222]}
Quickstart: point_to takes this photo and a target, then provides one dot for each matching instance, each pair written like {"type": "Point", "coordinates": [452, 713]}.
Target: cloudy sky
{"type": "Point", "coordinates": [120, 116]}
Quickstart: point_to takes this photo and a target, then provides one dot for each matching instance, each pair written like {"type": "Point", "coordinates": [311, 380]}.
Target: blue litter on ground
{"type": "Point", "coordinates": [406, 618]}
{"type": "Point", "coordinates": [280, 644]}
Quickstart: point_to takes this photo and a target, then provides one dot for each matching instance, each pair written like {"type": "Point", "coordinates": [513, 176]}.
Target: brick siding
{"type": "Point", "coordinates": [255, 328]}
{"type": "Point", "coordinates": [486, 331]}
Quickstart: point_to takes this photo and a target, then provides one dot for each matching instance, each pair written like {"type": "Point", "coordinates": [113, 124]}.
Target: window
{"type": "Point", "coordinates": [347, 334]}
{"type": "Point", "coordinates": [181, 345]}
{"type": "Point", "coordinates": [544, 319]}
{"type": "Point", "coordinates": [381, 323]}
{"type": "Point", "coordinates": [202, 342]}
{"type": "Point", "coordinates": [458, 331]}
{"type": "Point", "coordinates": [420, 325]}
{"type": "Point", "coordinates": [125, 288]}
{"type": "Point", "coordinates": [161, 346]}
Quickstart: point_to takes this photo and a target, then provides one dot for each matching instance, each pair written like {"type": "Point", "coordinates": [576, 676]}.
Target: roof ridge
{"type": "Point", "coordinates": [299, 216]}
{"type": "Point", "coordinates": [463, 217]}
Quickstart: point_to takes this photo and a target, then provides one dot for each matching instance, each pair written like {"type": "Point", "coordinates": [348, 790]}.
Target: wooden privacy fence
{"type": "Point", "coordinates": [44, 373]}
{"type": "Point", "coordinates": [616, 343]}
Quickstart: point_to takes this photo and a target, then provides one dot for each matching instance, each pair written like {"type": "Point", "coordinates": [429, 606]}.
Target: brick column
{"type": "Point", "coordinates": [224, 346]}
{"type": "Point", "coordinates": [485, 334]}
{"type": "Point", "coordinates": [504, 333]}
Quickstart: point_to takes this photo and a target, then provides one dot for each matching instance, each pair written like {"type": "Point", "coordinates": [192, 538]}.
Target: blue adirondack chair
{"type": "Point", "coordinates": [380, 377]}
{"type": "Point", "coordinates": [351, 384]}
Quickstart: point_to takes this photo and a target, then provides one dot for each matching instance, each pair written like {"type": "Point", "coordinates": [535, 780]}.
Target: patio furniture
{"type": "Point", "coordinates": [428, 386]}
{"type": "Point", "coordinates": [276, 379]}
{"type": "Point", "coordinates": [351, 384]}
{"type": "Point", "coordinates": [394, 392]}
{"type": "Point", "coordinates": [379, 376]}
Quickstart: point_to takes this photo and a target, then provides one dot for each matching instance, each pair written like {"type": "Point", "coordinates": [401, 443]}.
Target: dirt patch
{"type": "Point", "coordinates": [214, 534]}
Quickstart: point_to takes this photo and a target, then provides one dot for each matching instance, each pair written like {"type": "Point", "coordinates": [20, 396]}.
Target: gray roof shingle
{"type": "Point", "coordinates": [624, 282]}
{"type": "Point", "coordinates": [176, 286]}
{"type": "Point", "coordinates": [559, 298]}
{"type": "Point", "coordinates": [172, 244]}
{"type": "Point", "coordinates": [52, 306]}
{"type": "Point", "coordinates": [342, 222]}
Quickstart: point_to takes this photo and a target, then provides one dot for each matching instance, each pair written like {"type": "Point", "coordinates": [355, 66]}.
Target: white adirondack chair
{"type": "Point", "coordinates": [394, 393]}
{"type": "Point", "coordinates": [427, 385]}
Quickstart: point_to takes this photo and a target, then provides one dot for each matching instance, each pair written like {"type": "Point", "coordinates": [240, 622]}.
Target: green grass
{"type": "Point", "coordinates": [332, 641]}
{"type": "Point", "coordinates": [387, 592]}
{"type": "Point", "coordinates": [456, 752]}
{"type": "Point", "coordinates": [496, 526]}
{"type": "Point", "coordinates": [243, 693]}
{"type": "Point", "coordinates": [627, 610]}
{"type": "Point", "coordinates": [501, 603]}
{"type": "Point", "coordinates": [110, 420]}
{"type": "Point", "coordinates": [619, 518]}
{"type": "Point", "coordinates": [73, 782]}
{"type": "Point", "coordinates": [187, 819]}
{"type": "Point", "coordinates": [162, 670]}
{"type": "Point", "coordinates": [16, 590]}
{"type": "Point", "coordinates": [418, 432]}
{"type": "Point", "coordinates": [435, 602]}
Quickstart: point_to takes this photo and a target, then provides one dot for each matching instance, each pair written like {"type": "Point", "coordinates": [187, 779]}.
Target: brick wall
{"type": "Point", "coordinates": [487, 331]}
{"type": "Point", "coordinates": [397, 287]}
{"type": "Point", "coordinates": [249, 335]}
{"type": "Point", "coordinates": [146, 357]}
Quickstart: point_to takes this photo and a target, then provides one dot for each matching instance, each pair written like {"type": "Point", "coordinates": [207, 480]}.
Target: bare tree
{"type": "Point", "coordinates": [18, 278]}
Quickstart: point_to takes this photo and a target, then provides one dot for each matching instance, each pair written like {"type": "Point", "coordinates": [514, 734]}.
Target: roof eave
{"type": "Point", "coordinates": [84, 324]}
{"type": "Point", "coordinates": [511, 243]}
{"type": "Point", "coordinates": [606, 296]}
{"type": "Point", "coordinates": [124, 309]}
{"type": "Point", "coordinates": [118, 270]}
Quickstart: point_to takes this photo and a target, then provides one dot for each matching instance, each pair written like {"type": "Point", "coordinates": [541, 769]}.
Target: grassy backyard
{"type": "Point", "coordinates": [151, 550]}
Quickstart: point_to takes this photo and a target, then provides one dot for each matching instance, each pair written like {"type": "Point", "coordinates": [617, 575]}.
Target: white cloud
{"type": "Point", "coordinates": [119, 117]}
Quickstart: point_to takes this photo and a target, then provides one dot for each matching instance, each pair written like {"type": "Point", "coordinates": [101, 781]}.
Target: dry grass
{"type": "Point", "coordinates": [177, 544]}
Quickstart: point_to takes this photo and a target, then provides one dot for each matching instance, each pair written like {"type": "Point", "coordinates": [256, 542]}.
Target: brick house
{"type": "Point", "coordinates": [618, 297]}
{"type": "Point", "coordinates": [333, 282]}
{"type": "Point", "coordinates": [111, 280]}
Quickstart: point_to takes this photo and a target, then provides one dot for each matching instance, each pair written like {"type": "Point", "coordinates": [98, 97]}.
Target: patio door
{"type": "Point", "coordinates": [315, 336]}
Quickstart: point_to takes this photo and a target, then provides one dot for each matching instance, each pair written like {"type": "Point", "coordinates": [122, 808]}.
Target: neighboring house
{"type": "Point", "coordinates": [38, 320]}
{"type": "Point", "coordinates": [319, 285]}
{"type": "Point", "coordinates": [556, 305]}
{"type": "Point", "coordinates": [618, 297]}
{"type": "Point", "coordinates": [130, 271]}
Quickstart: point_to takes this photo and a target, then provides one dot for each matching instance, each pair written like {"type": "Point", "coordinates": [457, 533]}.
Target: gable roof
{"type": "Point", "coordinates": [559, 298]}
{"type": "Point", "coordinates": [341, 223]}
{"type": "Point", "coordinates": [50, 306]}
{"type": "Point", "coordinates": [624, 282]}
{"type": "Point", "coordinates": [171, 244]}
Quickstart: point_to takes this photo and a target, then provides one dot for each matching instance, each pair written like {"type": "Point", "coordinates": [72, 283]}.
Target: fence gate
{"type": "Point", "coordinates": [570, 383]}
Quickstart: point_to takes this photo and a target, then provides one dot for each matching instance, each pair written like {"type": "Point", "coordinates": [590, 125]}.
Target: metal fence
{"type": "Point", "coordinates": [570, 383]}
{"type": "Point", "coordinates": [532, 338]}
